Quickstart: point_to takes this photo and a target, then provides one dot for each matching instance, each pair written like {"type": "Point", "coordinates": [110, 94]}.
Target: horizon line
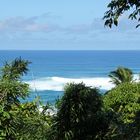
{"type": "Point", "coordinates": [71, 50]}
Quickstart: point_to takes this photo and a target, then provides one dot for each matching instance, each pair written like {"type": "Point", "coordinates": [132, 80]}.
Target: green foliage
{"type": "Point", "coordinates": [82, 113]}
{"type": "Point", "coordinates": [118, 8]}
{"type": "Point", "coordinates": [121, 75]}
{"type": "Point", "coordinates": [124, 99]}
{"type": "Point", "coordinates": [30, 123]}
{"type": "Point", "coordinates": [79, 114]}
{"type": "Point", "coordinates": [17, 120]}
{"type": "Point", "coordinates": [11, 89]}
{"type": "Point", "coordinates": [15, 69]}
{"type": "Point", "coordinates": [134, 129]}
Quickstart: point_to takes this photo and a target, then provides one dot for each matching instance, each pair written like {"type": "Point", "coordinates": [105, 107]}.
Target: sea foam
{"type": "Point", "coordinates": [58, 83]}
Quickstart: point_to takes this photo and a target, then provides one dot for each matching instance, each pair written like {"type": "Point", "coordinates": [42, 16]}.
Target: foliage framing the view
{"type": "Point", "coordinates": [19, 120]}
{"type": "Point", "coordinates": [118, 7]}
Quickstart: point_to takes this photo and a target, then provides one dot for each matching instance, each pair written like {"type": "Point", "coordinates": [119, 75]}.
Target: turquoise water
{"type": "Point", "coordinates": [51, 70]}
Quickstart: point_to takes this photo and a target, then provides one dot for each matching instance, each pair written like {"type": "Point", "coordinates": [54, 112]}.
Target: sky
{"type": "Point", "coordinates": [63, 25]}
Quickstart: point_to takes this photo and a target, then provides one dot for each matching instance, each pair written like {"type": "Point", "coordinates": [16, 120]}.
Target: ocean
{"type": "Point", "coordinates": [49, 71]}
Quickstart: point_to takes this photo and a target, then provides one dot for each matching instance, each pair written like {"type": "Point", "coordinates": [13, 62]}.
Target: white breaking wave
{"type": "Point", "coordinates": [136, 77]}
{"type": "Point", "coordinates": [58, 83]}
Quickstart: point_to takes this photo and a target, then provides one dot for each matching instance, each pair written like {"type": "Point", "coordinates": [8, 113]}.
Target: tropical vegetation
{"type": "Point", "coordinates": [117, 8]}
{"type": "Point", "coordinates": [83, 112]}
{"type": "Point", "coordinates": [121, 75]}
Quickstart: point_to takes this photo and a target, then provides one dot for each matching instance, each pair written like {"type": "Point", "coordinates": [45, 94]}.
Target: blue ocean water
{"type": "Point", "coordinates": [51, 70]}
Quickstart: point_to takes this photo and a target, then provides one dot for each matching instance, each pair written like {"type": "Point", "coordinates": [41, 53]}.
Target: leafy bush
{"type": "Point", "coordinates": [20, 120]}
{"type": "Point", "coordinates": [79, 114]}
{"type": "Point", "coordinates": [125, 100]}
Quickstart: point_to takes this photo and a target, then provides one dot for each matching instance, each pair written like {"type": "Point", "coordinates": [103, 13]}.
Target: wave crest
{"type": "Point", "coordinates": [58, 83]}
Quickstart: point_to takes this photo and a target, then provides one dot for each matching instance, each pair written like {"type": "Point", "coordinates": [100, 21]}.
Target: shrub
{"type": "Point", "coordinates": [79, 114]}
{"type": "Point", "coordinates": [124, 99]}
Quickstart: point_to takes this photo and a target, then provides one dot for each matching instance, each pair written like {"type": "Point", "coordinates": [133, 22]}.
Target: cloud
{"type": "Point", "coordinates": [79, 29]}
{"type": "Point", "coordinates": [40, 28]}
{"type": "Point", "coordinates": [41, 24]}
{"type": "Point", "coordinates": [31, 24]}
{"type": "Point", "coordinates": [97, 26]}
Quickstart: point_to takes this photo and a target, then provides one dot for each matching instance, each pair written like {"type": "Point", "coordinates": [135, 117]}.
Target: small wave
{"type": "Point", "coordinates": [58, 83]}
{"type": "Point", "coordinates": [136, 77]}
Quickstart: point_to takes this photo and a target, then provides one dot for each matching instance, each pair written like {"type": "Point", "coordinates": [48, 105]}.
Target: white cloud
{"type": "Point", "coordinates": [39, 28]}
